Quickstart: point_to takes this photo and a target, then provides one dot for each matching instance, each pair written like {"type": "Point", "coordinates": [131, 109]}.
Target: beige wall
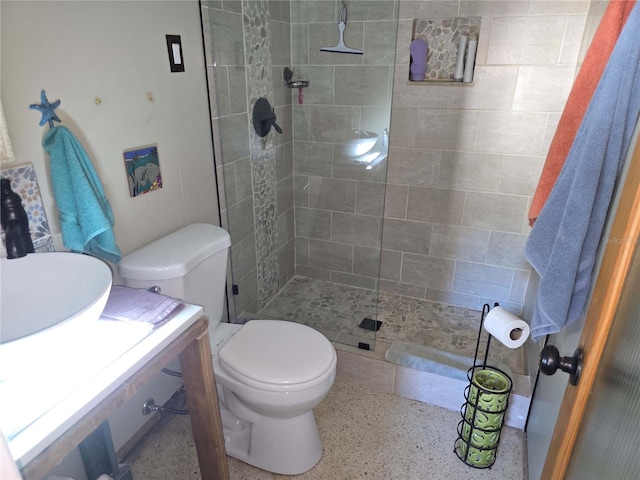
{"type": "Point", "coordinates": [116, 51]}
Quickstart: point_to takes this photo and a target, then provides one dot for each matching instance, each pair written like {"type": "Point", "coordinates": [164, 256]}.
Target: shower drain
{"type": "Point", "coordinates": [370, 324]}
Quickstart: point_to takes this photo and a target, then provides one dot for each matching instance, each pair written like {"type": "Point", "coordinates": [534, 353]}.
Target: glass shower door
{"type": "Point", "coordinates": [304, 208]}
{"type": "Point", "coordinates": [340, 146]}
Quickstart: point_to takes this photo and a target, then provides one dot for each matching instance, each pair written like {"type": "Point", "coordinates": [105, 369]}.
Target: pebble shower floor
{"type": "Point", "coordinates": [336, 310]}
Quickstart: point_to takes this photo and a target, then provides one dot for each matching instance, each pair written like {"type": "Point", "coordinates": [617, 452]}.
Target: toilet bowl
{"type": "Point", "coordinates": [273, 392]}
{"type": "Point", "coordinates": [270, 374]}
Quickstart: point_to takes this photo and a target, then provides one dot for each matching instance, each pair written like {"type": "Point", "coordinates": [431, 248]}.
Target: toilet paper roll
{"type": "Point", "coordinates": [511, 330]}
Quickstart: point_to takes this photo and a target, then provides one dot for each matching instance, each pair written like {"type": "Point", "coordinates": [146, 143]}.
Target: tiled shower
{"type": "Point", "coordinates": [444, 217]}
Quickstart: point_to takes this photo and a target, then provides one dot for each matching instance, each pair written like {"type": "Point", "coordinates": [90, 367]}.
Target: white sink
{"type": "Point", "coordinates": [54, 341]}
{"type": "Point", "coordinates": [45, 289]}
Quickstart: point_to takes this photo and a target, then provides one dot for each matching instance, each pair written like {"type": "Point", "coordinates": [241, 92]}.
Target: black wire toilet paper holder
{"type": "Point", "coordinates": [485, 407]}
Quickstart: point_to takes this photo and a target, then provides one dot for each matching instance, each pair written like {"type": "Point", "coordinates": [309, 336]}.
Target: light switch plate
{"type": "Point", "coordinates": [174, 47]}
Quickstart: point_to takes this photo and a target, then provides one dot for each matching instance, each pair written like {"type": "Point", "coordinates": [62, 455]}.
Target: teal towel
{"type": "Point", "coordinates": [86, 218]}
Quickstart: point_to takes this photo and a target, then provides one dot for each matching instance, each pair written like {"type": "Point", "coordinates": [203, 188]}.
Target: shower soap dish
{"type": "Point", "coordinates": [298, 83]}
{"type": "Point", "coordinates": [294, 82]}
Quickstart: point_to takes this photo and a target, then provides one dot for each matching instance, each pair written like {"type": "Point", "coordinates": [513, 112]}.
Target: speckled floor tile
{"type": "Point", "coordinates": [336, 310]}
{"type": "Point", "coordinates": [366, 434]}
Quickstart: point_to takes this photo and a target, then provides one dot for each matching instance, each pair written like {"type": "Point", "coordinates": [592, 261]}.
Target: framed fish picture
{"type": "Point", "coordinates": [143, 170]}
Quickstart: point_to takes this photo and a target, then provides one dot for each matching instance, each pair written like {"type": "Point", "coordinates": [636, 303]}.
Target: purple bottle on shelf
{"type": "Point", "coordinates": [419, 51]}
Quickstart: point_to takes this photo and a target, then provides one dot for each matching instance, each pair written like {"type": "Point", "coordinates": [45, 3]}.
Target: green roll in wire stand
{"type": "Point", "coordinates": [484, 410]}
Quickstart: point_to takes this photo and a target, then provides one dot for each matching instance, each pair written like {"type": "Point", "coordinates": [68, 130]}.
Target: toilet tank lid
{"type": "Point", "coordinates": [174, 255]}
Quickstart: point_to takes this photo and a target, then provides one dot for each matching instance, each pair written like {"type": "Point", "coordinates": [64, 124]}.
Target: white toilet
{"type": "Point", "coordinates": [270, 374]}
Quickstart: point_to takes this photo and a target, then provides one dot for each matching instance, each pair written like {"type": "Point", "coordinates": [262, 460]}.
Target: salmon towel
{"type": "Point", "coordinates": [585, 84]}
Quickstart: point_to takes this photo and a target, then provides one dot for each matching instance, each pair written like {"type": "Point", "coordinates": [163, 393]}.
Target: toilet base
{"type": "Point", "coordinates": [288, 446]}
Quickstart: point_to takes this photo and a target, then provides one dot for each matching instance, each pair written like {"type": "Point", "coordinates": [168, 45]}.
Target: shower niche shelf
{"type": "Point", "coordinates": [439, 83]}
{"type": "Point", "coordinates": [442, 36]}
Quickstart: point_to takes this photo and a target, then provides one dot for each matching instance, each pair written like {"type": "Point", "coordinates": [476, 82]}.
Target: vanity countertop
{"type": "Point", "coordinates": [85, 405]}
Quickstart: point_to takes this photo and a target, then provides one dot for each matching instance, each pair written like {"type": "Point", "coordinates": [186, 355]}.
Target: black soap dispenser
{"type": "Point", "coordinates": [15, 222]}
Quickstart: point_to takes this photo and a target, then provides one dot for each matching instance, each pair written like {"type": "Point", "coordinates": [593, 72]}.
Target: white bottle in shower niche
{"type": "Point", "coordinates": [462, 47]}
{"type": "Point", "coordinates": [470, 62]}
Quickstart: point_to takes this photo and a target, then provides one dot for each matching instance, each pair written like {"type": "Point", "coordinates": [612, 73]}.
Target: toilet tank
{"type": "Point", "coordinates": [189, 264]}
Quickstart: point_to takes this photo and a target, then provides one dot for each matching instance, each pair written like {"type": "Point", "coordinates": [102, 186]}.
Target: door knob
{"type": "Point", "coordinates": [551, 361]}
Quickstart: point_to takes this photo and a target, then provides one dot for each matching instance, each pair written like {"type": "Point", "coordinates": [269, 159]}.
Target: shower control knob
{"type": "Point", "coordinates": [264, 117]}
{"type": "Point", "coordinates": [274, 124]}
{"type": "Point", "coordinates": [551, 361]}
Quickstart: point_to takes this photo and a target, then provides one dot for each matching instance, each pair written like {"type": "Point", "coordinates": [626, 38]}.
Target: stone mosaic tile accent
{"type": "Point", "coordinates": [256, 23]}
{"type": "Point", "coordinates": [25, 183]}
{"type": "Point", "coordinates": [441, 34]}
{"type": "Point", "coordinates": [336, 310]}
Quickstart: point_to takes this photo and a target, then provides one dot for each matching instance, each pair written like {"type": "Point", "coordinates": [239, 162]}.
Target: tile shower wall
{"type": "Point", "coordinates": [464, 161]}
{"type": "Point", "coordinates": [339, 203]}
{"type": "Point", "coordinates": [255, 176]}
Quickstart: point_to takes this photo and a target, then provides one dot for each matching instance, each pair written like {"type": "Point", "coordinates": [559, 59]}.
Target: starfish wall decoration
{"type": "Point", "coordinates": [47, 110]}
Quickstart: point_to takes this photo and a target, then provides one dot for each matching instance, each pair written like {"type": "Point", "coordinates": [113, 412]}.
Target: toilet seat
{"type": "Point", "coordinates": [297, 357]}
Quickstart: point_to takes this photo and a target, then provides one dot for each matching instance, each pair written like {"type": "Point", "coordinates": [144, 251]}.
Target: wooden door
{"type": "Point", "coordinates": [621, 245]}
